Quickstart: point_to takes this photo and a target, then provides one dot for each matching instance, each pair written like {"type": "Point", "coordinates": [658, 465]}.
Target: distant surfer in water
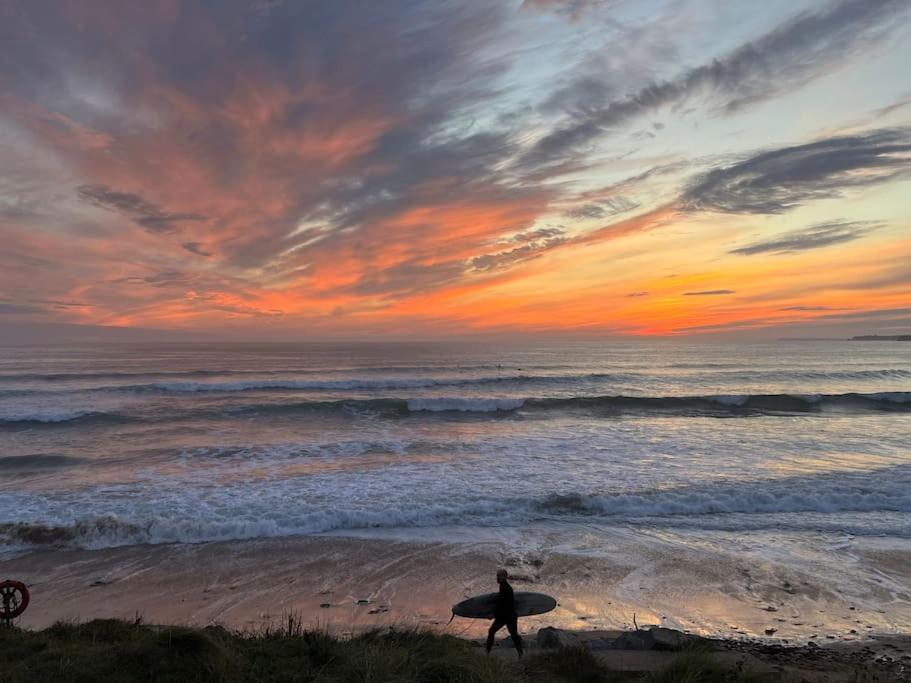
{"type": "Point", "coordinates": [504, 614]}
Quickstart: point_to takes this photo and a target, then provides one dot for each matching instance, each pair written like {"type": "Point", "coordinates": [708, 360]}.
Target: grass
{"type": "Point", "coordinates": [696, 665]}
{"type": "Point", "coordinates": [569, 665]}
{"type": "Point", "coordinates": [115, 651]}
{"type": "Point", "coordinates": [118, 651]}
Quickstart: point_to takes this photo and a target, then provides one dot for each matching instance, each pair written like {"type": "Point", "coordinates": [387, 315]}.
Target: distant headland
{"type": "Point", "coordinates": [859, 337]}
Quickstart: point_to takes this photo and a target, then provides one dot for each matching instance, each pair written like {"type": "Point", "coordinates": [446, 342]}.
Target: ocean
{"type": "Point", "coordinates": [106, 446]}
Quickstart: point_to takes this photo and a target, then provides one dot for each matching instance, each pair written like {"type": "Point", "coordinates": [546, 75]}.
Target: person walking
{"type": "Point", "coordinates": [504, 614]}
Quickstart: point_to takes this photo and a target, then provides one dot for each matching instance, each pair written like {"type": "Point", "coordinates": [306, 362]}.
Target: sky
{"type": "Point", "coordinates": [315, 169]}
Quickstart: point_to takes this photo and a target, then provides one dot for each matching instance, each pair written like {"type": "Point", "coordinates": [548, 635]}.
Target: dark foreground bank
{"type": "Point", "coordinates": [111, 650]}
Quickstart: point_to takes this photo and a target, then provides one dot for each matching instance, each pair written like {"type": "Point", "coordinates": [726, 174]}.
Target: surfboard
{"type": "Point", "coordinates": [481, 606]}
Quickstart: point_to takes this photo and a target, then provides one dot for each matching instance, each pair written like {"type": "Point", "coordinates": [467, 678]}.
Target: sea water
{"type": "Point", "coordinates": [765, 444]}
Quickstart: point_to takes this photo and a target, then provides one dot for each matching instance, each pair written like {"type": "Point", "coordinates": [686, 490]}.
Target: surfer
{"type": "Point", "coordinates": [504, 614]}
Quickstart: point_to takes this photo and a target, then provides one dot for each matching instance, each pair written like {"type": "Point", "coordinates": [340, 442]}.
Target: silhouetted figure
{"type": "Point", "coordinates": [504, 614]}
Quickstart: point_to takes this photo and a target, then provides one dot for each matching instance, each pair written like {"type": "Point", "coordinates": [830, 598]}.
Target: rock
{"type": "Point", "coordinates": [551, 637]}
{"type": "Point", "coordinates": [325, 605]}
{"type": "Point", "coordinates": [598, 644]}
{"type": "Point", "coordinates": [770, 631]}
{"type": "Point", "coordinates": [362, 601]}
{"type": "Point", "coordinates": [670, 639]}
{"type": "Point", "coordinates": [635, 640]}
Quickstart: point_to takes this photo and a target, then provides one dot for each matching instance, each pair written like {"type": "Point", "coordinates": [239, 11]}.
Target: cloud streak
{"type": "Point", "coordinates": [141, 211]}
{"type": "Point", "coordinates": [815, 237]}
{"type": "Point", "coordinates": [780, 180]}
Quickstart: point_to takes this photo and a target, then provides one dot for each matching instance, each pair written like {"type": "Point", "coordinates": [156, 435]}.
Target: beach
{"type": "Point", "coordinates": [762, 619]}
{"type": "Point", "coordinates": [351, 584]}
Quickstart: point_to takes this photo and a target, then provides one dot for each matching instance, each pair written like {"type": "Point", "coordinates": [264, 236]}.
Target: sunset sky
{"type": "Point", "coordinates": [411, 168]}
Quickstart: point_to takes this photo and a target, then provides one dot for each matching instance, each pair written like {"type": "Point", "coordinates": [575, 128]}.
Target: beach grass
{"type": "Point", "coordinates": [118, 651]}
{"type": "Point", "coordinates": [696, 665]}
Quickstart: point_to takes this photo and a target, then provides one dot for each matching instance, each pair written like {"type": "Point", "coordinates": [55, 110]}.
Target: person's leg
{"type": "Point", "coordinates": [494, 627]}
{"type": "Point", "coordinates": [513, 626]}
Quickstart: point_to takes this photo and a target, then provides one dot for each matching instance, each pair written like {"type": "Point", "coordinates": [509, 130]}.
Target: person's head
{"type": "Point", "coordinates": [502, 575]}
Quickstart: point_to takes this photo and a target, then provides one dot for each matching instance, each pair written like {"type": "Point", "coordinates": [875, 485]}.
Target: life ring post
{"type": "Point", "coordinates": [14, 599]}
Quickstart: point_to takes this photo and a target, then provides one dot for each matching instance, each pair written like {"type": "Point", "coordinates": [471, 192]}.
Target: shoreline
{"type": "Point", "coordinates": [348, 584]}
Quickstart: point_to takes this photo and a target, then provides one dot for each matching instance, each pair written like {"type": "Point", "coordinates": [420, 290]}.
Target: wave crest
{"type": "Point", "coordinates": [713, 405]}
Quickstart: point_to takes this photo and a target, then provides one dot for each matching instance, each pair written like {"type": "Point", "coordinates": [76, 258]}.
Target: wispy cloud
{"type": "Point", "coordinates": [779, 180]}
{"type": "Point", "coordinates": [195, 248]}
{"type": "Point", "coordinates": [532, 247]}
{"type": "Point", "coordinates": [143, 212]}
{"type": "Point", "coordinates": [815, 237]}
{"type": "Point", "coordinates": [710, 292]}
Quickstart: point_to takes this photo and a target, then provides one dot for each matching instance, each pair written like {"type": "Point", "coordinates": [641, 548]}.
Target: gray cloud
{"type": "Point", "coordinates": [586, 211]}
{"type": "Point", "coordinates": [529, 250]}
{"type": "Point", "coordinates": [710, 292]}
{"type": "Point", "coordinates": [807, 46]}
{"type": "Point", "coordinates": [809, 308]}
{"type": "Point", "coordinates": [815, 237]}
{"type": "Point", "coordinates": [777, 181]}
{"type": "Point", "coordinates": [142, 212]}
{"type": "Point", "coordinates": [893, 314]}
{"type": "Point", "coordinates": [168, 279]}
{"type": "Point", "coordinates": [633, 295]}
{"type": "Point", "coordinates": [609, 206]}
{"type": "Point", "coordinates": [539, 234]}
{"type": "Point", "coordinates": [408, 277]}
{"type": "Point", "coordinates": [195, 248]}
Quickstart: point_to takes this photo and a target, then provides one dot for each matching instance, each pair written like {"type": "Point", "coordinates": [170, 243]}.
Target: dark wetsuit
{"type": "Point", "coordinates": [504, 614]}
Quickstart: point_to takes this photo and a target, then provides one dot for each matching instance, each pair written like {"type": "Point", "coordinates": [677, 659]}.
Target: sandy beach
{"type": "Point", "coordinates": [348, 584]}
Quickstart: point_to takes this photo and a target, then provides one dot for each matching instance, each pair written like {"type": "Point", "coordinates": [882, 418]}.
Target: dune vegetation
{"type": "Point", "coordinates": [113, 651]}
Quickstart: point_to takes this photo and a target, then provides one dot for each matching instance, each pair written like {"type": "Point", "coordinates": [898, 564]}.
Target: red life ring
{"type": "Point", "coordinates": [10, 605]}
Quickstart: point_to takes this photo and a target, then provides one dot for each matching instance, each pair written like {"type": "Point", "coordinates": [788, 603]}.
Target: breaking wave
{"type": "Point", "coordinates": [734, 405]}
{"type": "Point", "coordinates": [260, 384]}
{"type": "Point", "coordinates": [867, 503]}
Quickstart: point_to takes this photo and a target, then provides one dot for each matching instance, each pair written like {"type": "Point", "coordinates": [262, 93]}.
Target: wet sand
{"type": "Point", "coordinates": [346, 584]}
